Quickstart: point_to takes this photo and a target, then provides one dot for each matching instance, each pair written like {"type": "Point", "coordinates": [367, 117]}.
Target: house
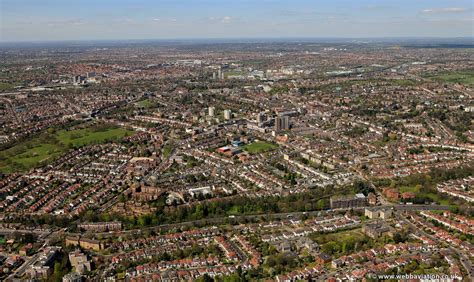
{"type": "Point", "coordinates": [391, 193]}
{"type": "Point", "coordinates": [323, 258]}
{"type": "Point", "coordinates": [283, 246]}
{"type": "Point", "coordinates": [72, 277]}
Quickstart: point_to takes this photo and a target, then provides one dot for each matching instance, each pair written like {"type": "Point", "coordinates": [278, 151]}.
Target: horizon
{"type": "Point", "coordinates": [223, 40]}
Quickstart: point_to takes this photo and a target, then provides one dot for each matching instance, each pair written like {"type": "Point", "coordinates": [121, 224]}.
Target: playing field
{"type": "Point", "coordinates": [147, 103]}
{"type": "Point", "coordinates": [46, 147]}
{"type": "Point", "coordinates": [462, 77]}
{"type": "Point", "coordinates": [81, 137]}
{"type": "Point", "coordinates": [259, 147]}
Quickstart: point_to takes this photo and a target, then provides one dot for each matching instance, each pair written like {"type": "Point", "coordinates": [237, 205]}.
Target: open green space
{"type": "Point", "coordinates": [344, 242]}
{"type": "Point", "coordinates": [413, 189]}
{"type": "Point", "coordinates": [354, 240]}
{"type": "Point", "coordinates": [423, 185]}
{"type": "Point", "coordinates": [85, 136]}
{"type": "Point", "coordinates": [147, 103]}
{"type": "Point", "coordinates": [260, 147]}
{"type": "Point", "coordinates": [168, 149]}
{"type": "Point", "coordinates": [49, 145]}
{"type": "Point", "coordinates": [465, 77]}
{"type": "Point", "coordinates": [5, 86]}
{"type": "Point", "coordinates": [354, 234]}
{"type": "Point", "coordinates": [419, 193]}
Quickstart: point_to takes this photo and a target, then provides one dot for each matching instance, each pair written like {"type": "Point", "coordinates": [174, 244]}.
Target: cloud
{"type": "Point", "coordinates": [163, 21]}
{"type": "Point", "coordinates": [444, 10]}
{"type": "Point", "coordinates": [377, 7]}
{"type": "Point", "coordinates": [55, 23]}
{"type": "Point", "coordinates": [224, 19]}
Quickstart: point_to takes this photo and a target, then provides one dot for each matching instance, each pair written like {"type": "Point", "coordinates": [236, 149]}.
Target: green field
{"type": "Point", "coordinates": [413, 189]}
{"type": "Point", "coordinates": [260, 147]}
{"type": "Point", "coordinates": [48, 146]}
{"type": "Point", "coordinates": [416, 189]}
{"type": "Point", "coordinates": [463, 77]}
{"type": "Point", "coordinates": [81, 137]}
{"type": "Point", "coordinates": [355, 234]}
{"type": "Point", "coordinates": [167, 149]}
{"type": "Point", "coordinates": [5, 86]}
{"type": "Point", "coordinates": [344, 242]}
{"type": "Point", "coordinates": [147, 103]}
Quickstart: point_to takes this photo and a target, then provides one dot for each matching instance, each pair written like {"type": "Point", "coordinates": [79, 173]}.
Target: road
{"type": "Point", "coordinates": [20, 271]}
{"type": "Point", "coordinates": [267, 216]}
{"type": "Point", "coordinates": [8, 231]}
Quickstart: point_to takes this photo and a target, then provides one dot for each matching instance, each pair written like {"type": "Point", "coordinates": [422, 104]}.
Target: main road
{"type": "Point", "coordinates": [265, 216]}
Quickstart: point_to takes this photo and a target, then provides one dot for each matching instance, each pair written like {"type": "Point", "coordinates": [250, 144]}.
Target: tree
{"type": "Point", "coordinates": [205, 278]}
{"type": "Point", "coordinates": [320, 204]}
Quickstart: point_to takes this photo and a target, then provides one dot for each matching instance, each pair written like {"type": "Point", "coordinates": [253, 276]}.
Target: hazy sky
{"type": "Point", "coordinates": [24, 20]}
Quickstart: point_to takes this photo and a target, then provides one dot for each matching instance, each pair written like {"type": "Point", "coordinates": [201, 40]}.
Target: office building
{"type": "Point", "coordinates": [220, 74]}
{"type": "Point", "coordinates": [261, 118]}
{"type": "Point", "coordinates": [227, 114]}
{"type": "Point", "coordinates": [282, 123]}
{"type": "Point", "coordinates": [212, 111]}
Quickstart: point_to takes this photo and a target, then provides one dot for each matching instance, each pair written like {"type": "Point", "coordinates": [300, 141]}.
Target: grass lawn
{"type": "Point", "coordinates": [167, 149]}
{"type": "Point", "coordinates": [37, 155]}
{"type": "Point", "coordinates": [5, 86]}
{"type": "Point", "coordinates": [339, 236]}
{"type": "Point", "coordinates": [412, 189]}
{"type": "Point", "coordinates": [81, 137]}
{"type": "Point", "coordinates": [436, 198]}
{"type": "Point", "coordinates": [145, 103]}
{"type": "Point", "coordinates": [433, 196]}
{"type": "Point", "coordinates": [259, 147]}
{"type": "Point", "coordinates": [462, 77]}
{"type": "Point", "coordinates": [42, 149]}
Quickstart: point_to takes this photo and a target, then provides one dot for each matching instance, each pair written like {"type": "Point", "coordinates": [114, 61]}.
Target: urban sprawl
{"type": "Point", "coordinates": [236, 162]}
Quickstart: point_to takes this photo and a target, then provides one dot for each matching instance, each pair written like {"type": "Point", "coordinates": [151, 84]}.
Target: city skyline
{"type": "Point", "coordinates": [53, 20]}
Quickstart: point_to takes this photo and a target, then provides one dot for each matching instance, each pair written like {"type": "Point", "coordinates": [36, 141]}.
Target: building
{"type": "Point", "coordinates": [391, 194]}
{"type": "Point", "coordinates": [323, 258]}
{"type": "Point", "coordinates": [101, 226]}
{"type": "Point", "coordinates": [72, 277]}
{"type": "Point", "coordinates": [80, 262]}
{"type": "Point", "coordinates": [145, 193]}
{"type": "Point", "coordinates": [372, 198]}
{"type": "Point", "coordinates": [378, 213]}
{"type": "Point", "coordinates": [41, 268]}
{"type": "Point", "coordinates": [282, 123]}
{"type": "Point", "coordinates": [77, 79]}
{"type": "Point", "coordinates": [220, 74]}
{"type": "Point", "coordinates": [261, 118]}
{"type": "Point", "coordinates": [237, 143]}
{"type": "Point", "coordinates": [227, 114]}
{"type": "Point", "coordinates": [212, 111]}
{"type": "Point", "coordinates": [408, 195]}
{"type": "Point", "coordinates": [376, 229]}
{"type": "Point", "coordinates": [85, 243]}
{"type": "Point", "coordinates": [371, 213]}
{"type": "Point", "coordinates": [345, 202]}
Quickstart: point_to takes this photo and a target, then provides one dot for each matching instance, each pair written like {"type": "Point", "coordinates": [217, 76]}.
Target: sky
{"type": "Point", "coordinates": [57, 20]}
